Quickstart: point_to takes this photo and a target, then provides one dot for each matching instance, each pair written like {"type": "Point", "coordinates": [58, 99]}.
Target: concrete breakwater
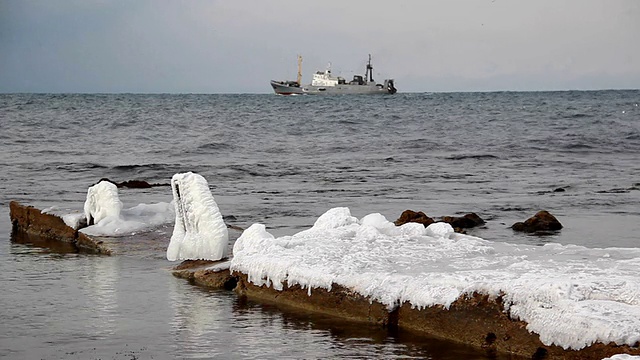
{"type": "Point", "coordinates": [477, 320]}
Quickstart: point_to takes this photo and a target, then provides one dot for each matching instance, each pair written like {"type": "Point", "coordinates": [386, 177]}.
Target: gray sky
{"type": "Point", "coordinates": [237, 46]}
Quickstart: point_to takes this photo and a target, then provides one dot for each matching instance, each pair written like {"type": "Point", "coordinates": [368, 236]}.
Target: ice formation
{"type": "Point", "coordinates": [570, 295]}
{"type": "Point", "coordinates": [102, 203]}
{"type": "Point", "coordinates": [106, 217]}
{"type": "Point", "coordinates": [141, 217]}
{"type": "Point", "coordinates": [199, 231]}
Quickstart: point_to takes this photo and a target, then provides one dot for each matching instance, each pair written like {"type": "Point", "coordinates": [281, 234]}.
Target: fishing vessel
{"type": "Point", "coordinates": [324, 83]}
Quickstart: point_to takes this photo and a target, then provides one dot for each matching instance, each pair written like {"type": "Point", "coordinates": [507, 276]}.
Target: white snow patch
{"type": "Point", "coordinates": [73, 220]}
{"type": "Point", "coordinates": [570, 295]}
{"type": "Point", "coordinates": [623, 357]}
{"type": "Point", "coordinates": [221, 266]}
{"type": "Point", "coordinates": [439, 229]}
{"type": "Point", "coordinates": [199, 231]}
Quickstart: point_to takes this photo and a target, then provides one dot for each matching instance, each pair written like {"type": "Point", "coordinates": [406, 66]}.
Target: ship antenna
{"type": "Point", "coordinates": [299, 70]}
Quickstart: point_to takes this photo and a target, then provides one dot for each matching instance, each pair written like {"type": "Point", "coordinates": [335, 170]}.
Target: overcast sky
{"type": "Point", "coordinates": [237, 46]}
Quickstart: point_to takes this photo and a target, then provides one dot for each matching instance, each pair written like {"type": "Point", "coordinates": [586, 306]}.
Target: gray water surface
{"type": "Point", "coordinates": [283, 161]}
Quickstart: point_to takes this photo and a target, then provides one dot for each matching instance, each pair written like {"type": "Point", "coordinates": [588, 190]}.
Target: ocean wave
{"type": "Point", "coordinates": [215, 146]}
{"type": "Point", "coordinates": [156, 166]}
{"type": "Point", "coordinates": [472, 156]}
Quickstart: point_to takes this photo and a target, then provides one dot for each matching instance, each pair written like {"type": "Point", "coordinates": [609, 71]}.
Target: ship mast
{"type": "Point", "coordinates": [369, 70]}
{"type": "Point", "coordinates": [299, 70]}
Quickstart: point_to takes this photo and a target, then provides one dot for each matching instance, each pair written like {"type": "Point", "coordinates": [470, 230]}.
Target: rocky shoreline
{"type": "Point", "coordinates": [477, 320]}
{"type": "Point", "coordinates": [27, 220]}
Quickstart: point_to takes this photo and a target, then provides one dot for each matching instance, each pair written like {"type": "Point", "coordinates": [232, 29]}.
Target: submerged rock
{"type": "Point", "coordinates": [540, 222]}
{"type": "Point", "coordinates": [464, 222]}
{"type": "Point", "coordinates": [133, 184]}
{"type": "Point", "coordinates": [412, 216]}
{"type": "Point", "coordinates": [459, 223]}
{"type": "Point", "coordinates": [207, 273]}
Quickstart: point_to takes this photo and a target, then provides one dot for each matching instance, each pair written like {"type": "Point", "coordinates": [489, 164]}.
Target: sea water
{"type": "Point", "coordinates": [284, 161]}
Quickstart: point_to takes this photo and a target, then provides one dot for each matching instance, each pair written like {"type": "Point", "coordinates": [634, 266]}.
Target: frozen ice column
{"type": "Point", "coordinates": [102, 202]}
{"type": "Point", "coordinates": [199, 231]}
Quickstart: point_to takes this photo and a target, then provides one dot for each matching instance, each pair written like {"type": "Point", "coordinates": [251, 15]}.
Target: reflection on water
{"type": "Point", "coordinates": [200, 322]}
{"type": "Point", "coordinates": [101, 292]}
{"type": "Point", "coordinates": [217, 323]}
{"type": "Point", "coordinates": [337, 338]}
{"type": "Point", "coordinates": [43, 244]}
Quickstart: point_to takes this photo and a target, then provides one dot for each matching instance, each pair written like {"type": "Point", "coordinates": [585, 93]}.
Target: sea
{"type": "Point", "coordinates": [283, 161]}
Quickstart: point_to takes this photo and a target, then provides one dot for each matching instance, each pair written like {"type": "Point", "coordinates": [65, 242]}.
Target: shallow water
{"type": "Point", "coordinates": [59, 305]}
{"type": "Point", "coordinates": [283, 161]}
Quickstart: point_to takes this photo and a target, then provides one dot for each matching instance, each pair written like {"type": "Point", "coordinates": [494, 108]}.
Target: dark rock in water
{"type": "Point", "coordinates": [559, 190]}
{"type": "Point", "coordinates": [235, 227]}
{"type": "Point", "coordinates": [412, 216]}
{"type": "Point", "coordinates": [540, 222]}
{"type": "Point", "coordinates": [204, 273]}
{"type": "Point", "coordinates": [228, 218]}
{"type": "Point", "coordinates": [133, 184]}
{"type": "Point", "coordinates": [107, 180]}
{"type": "Point", "coordinates": [459, 230]}
{"type": "Point", "coordinates": [458, 223]}
{"type": "Point", "coordinates": [468, 221]}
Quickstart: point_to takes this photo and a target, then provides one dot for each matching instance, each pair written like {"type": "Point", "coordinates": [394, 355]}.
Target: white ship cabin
{"type": "Point", "coordinates": [324, 78]}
